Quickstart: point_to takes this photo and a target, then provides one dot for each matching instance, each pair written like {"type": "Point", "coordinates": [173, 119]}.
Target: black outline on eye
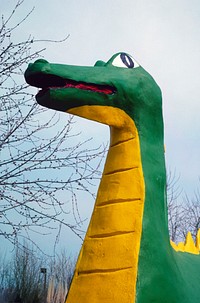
{"type": "Point", "coordinates": [127, 60]}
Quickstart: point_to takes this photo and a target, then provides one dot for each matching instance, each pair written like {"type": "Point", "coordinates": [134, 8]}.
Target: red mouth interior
{"type": "Point", "coordinates": [91, 87]}
{"type": "Point", "coordinates": [51, 82]}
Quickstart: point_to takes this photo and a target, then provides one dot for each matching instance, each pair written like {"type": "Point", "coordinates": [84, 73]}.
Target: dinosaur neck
{"type": "Point", "coordinates": [153, 165]}
{"type": "Point", "coordinates": [157, 272]}
{"type": "Point", "coordinates": [109, 255]}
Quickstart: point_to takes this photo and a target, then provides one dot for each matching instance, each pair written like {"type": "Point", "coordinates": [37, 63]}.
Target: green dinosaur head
{"type": "Point", "coordinates": [119, 83]}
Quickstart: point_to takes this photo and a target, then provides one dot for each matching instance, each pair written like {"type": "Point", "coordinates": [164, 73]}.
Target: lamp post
{"type": "Point", "coordinates": [43, 270]}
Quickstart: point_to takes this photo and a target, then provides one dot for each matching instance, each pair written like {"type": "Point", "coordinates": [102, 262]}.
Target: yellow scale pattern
{"type": "Point", "coordinates": [188, 246]}
{"type": "Point", "coordinates": [106, 269]}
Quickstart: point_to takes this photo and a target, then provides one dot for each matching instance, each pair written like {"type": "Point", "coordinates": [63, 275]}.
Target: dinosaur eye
{"type": "Point", "coordinates": [124, 60]}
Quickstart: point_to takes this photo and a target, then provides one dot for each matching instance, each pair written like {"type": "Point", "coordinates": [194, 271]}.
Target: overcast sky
{"type": "Point", "coordinates": [164, 37]}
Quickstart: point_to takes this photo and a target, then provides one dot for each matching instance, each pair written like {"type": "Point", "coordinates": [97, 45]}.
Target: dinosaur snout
{"type": "Point", "coordinates": [38, 67]}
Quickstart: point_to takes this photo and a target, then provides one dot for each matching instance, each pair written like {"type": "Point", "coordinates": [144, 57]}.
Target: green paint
{"type": "Point", "coordinates": [163, 274]}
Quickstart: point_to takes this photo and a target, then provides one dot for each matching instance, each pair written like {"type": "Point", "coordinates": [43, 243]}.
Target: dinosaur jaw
{"type": "Point", "coordinates": [103, 89]}
{"type": "Point", "coordinates": [62, 94]}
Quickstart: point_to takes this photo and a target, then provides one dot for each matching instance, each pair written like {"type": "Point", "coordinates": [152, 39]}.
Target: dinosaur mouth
{"type": "Point", "coordinates": [51, 82]}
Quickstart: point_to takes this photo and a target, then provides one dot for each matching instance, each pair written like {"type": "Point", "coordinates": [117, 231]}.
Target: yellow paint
{"type": "Point", "coordinates": [173, 245]}
{"type": "Point", "coordinates": [189, 245]}
{"type": "Point", "coordinates": [106, 269]}
{"type": "Point", "coordinates": [198, 240]}
{"type": "Point", "coordinates": [111, 116]}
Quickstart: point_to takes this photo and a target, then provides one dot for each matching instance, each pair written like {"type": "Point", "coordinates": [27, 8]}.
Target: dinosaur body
{"type": "Point", "coordinates": [126, 255]}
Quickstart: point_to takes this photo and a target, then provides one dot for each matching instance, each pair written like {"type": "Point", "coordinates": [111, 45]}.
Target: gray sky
{"type": "Point", "coordinates": [164, 37]}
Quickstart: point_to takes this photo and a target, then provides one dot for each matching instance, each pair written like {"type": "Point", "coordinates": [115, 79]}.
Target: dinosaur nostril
{"type": "Point", "coordinates": [100, 63]}
{"type": "Point", "coordinates": [42, 61]}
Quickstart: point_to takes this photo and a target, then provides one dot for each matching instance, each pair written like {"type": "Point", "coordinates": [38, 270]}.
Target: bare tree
{"type": "Point", "coordinates": [183, 212]}
{"type": "Point", "coordinates": [192, 214]}
{"type": "Point", "coordinates": [175, 210]}
{"type": "Point", "coordinates": [42, 166]}
{"type": "Point", "coordinates": [22, 277]}
{"type": "Point", "coordinates": [60, 273]}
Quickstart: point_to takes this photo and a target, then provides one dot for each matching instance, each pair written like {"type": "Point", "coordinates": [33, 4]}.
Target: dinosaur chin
{"type": "Point", "coordinates": [108, 115]}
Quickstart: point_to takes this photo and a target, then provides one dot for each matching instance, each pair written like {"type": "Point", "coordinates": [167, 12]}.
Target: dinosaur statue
{"type": "Point", "coordinates": [126, 255]}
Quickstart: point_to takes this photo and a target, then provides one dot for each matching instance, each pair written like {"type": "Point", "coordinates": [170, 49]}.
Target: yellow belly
{"type": "Point", "coordinates": [106, 269]}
